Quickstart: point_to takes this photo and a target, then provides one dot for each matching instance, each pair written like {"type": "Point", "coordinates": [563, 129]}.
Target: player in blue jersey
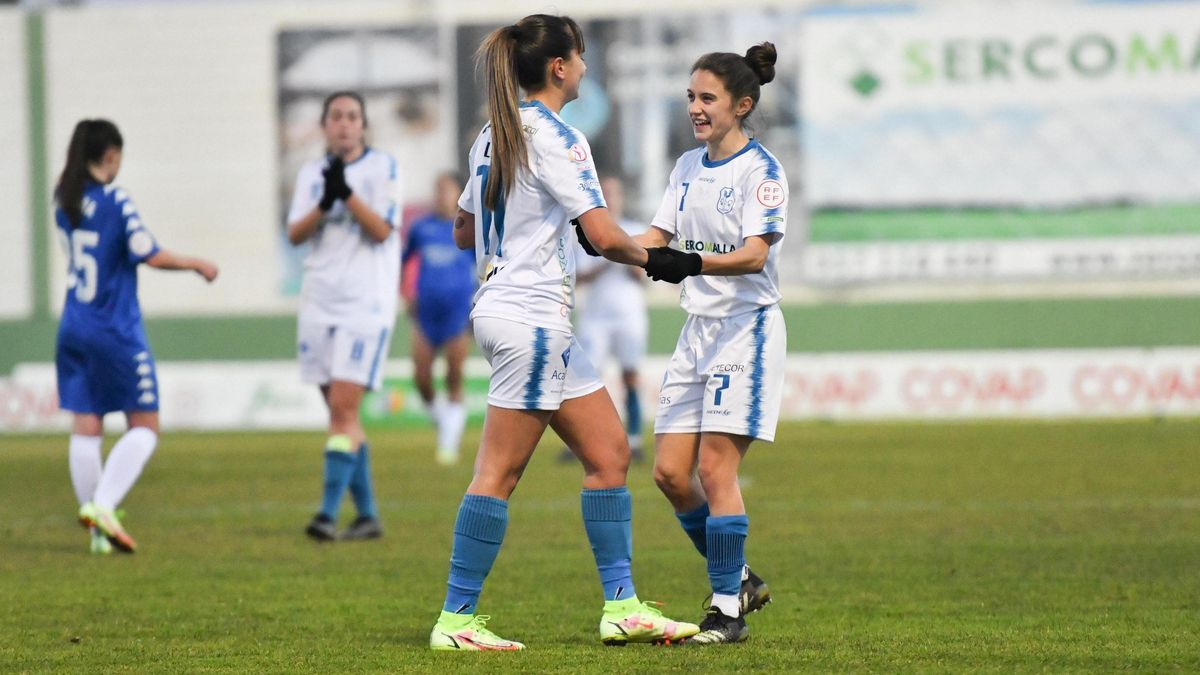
{"type": "Point", "coordinates": [441, 307]}
{"type": "Point", "coordinates": [531, 174]}
{"type": "Point", "coordinates": [347, 205]}
{"type": "Point", "coordinates": [102, 357]}
{"type": "Point", "coordinates": [726, 207]}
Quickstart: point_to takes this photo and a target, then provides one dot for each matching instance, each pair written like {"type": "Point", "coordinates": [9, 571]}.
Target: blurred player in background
{"type": "Point", "coordinates": [726, 206]}
{"type": "Point", "coordinates": [611, 321]}
{"type": "Point", "coordinates": [102, 357]}
{"type": "Point", "coordinates": [347, 204]}
{"type": "Point", "coordinates": [530, 174]}
{"type": "Point", "coordinates": [441, 306]}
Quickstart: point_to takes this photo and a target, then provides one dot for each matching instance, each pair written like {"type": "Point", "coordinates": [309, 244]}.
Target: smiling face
{"type": "Point", "coordinates": [344, 126]}
{"type": "Point", "coordinates": [712, 109]}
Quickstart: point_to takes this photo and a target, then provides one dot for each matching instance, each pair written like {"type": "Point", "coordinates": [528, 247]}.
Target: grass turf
{"type": "Point", "coordinates": [949, 547]}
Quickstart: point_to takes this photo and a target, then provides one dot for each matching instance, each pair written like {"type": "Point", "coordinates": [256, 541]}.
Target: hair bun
{"type": "Point", "coordinates": [761, 59]}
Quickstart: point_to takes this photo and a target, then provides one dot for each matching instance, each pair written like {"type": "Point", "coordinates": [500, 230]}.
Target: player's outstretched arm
{"type": "Point", "coordinates": [167, 260]}
{"type": "Point", "coordinates": [609, 239]}
{"type": "Point", "coordinates": [464, 230]}
{"type": "Point", "coordinates": [653, 237]}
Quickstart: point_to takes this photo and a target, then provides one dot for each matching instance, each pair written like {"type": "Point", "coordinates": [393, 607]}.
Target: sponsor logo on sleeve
{"type": "Point", "coordinates": [578, 153]}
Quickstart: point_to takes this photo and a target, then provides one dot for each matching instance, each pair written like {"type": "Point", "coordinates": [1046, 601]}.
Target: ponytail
{"type": "Point", "coordinates": [90, 140]}
{"type": "Point", "coordinates": [514, 58]}
{"type": "Point", "coordinates": [497, 54]}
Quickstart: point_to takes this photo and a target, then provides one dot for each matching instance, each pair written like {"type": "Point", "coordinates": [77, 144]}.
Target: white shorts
{"type": "Point", "coordinates": [620, 337]}
{"type": "Point", "coordinates": [346, 353]}
{"type": "Point", "coordinates": [533, 368]}
{"type": "Point", "coordinates": [726, 375]}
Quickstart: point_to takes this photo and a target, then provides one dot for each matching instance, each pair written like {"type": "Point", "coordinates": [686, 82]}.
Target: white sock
{"type": "Point", "coordinates": [84, 460]}
{"type": "Point", "coordinates": [124, 465]}
{"type": "Point", "coordinates": [437, 411]}
{"type": "Point", "coordinates": [450, 431]}
{"type": "Point", "coordinates": [745, 572]}
{"type": "Point", "coordinates": [728, 604]}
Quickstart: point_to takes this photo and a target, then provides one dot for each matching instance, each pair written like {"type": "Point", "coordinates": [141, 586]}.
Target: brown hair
{"type": "Point", "coordinates": [515, 56]}
{"type": "Point", "coordinates": [90, 140]}
{"type": "Point", "coordinates": [742, 75]}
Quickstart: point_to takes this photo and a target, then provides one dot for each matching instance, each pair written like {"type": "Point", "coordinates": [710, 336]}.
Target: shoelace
{"type": "Point", "coordinates": [479, 625]}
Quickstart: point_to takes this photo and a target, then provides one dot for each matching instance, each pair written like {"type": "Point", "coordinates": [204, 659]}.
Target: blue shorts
{"type": "Point", "coordinates": [101, 371]}
{"type": "Point", "coordinates": [441, 322]}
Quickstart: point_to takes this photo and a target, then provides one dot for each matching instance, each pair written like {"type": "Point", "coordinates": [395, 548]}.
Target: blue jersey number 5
{"type": "Point", "coordinates": [489, 217]}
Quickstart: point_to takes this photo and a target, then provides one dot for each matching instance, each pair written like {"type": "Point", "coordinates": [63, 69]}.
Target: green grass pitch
{"type": "Point", "coordinates": [996, 547]}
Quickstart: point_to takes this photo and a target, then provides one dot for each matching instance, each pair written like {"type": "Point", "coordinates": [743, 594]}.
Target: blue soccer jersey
{"type": "Point", "coordinates": [103, 360]}
{"type": "Point", "coordinates": [445, 278]}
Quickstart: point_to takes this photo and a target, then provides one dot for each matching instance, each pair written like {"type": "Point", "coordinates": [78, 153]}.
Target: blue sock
{"type": "Point", "coordinates": [478, 533]}
{"type": "Point", "coordinates": [339, 467]}
{"type": "Point", "coordinates": [607, 517]}
{"type": "Point", "coordinates": [727, 552]}
{"type": "Point", "coordinates": [694, 523]}
{"type": "Point", "coordinates": [360, 484]}
{"type": "Point", "coordinates": [633, 413]}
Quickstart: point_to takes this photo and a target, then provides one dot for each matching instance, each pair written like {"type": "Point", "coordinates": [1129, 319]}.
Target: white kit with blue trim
{"type": "Point", "coordinates": [525, 248]}
{"type": "Point", "coordinates": [348, 277]}
{"type": "Point", "coordinates": [711, 208]}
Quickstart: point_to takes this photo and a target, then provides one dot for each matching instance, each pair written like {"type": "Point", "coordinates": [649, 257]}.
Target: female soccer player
{"type": "Point", "coordinates": [612, 322]}
{"type": "Point", "coordinates": [441, 306]}
{"type": "Point", "coordinates": [727, 207]}
{"type": "Point", "coordinates": [103, 360]}
{"type": "Point", "coordinates": [530, 174]}
{"type": "Point", "coordinates": [347, 204]}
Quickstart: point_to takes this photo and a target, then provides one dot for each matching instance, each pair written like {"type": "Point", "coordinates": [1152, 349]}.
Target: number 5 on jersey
{"type": "Point", "coordinates": [83, 268]}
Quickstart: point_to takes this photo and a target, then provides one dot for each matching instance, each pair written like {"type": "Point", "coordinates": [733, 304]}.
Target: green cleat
{"type": "Point", "coordinates": [468, 632]}
{"type": "Point", "coordinates": [106, 521]}
{"type": "Point", "coordinates": [100, 545]}
{"type": "Point", "coordinates": [632, 621]}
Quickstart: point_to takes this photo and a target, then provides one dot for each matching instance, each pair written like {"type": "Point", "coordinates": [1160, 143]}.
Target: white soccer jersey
{"type": "Point", "coordinates": [348, 277]}
{"type": "Point", "coordinates": [616, 292]}
{"type": "Point", "coordinates": [710, 208]}
{"type": "Point", "coordinates": [525, 251]}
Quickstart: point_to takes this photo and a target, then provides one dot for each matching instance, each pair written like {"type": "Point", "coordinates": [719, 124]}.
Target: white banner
{"type": "Point", "coordinates": [1024, 105]}
{"type": "Point", "coordinates": [842, 386]}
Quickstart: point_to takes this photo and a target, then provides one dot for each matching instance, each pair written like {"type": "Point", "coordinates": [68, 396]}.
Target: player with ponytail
{"type": "Point", "coordinates": [102, 358]}
{"type": "Point", "coordinates": [531, 174]}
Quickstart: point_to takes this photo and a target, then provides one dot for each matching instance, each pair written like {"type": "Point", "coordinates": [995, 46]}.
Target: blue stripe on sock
{"type": "Point", "coordinates": [478, 532]}
{"type": "Point", "coordinates": [360, 484]}
{"type": "Point", "coordinates": [607, 518]}
{"type": "Point", "coordinates": [694, 524]}
{"type": "Point", "coordinates": [727, 552]}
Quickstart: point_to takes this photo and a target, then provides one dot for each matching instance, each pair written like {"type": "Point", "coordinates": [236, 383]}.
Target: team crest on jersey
{"type": "Point", "coordinates": [578, 153]}
{"type": "Point", "coordinates": [725, 201]}
{"type": "Point", "coordinates": [770, 193]}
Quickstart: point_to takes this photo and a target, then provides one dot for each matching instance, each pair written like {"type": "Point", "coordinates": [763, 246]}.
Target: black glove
{"type": "Point", "coordinates": [671, 265]}
{"type": "Point", "coordinates": [335, 184]}
{"type": "Point", "coordinates": [583, 240]}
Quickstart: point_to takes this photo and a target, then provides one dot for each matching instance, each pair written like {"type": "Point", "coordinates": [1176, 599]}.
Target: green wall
{"type": "Point", "coordinates": [993, 324]}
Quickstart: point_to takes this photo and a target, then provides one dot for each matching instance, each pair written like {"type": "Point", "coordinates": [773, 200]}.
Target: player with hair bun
{"type": "Point", "coordinates": [102, 358]}
{"type": "Point", "coordinates": [726, 208]}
